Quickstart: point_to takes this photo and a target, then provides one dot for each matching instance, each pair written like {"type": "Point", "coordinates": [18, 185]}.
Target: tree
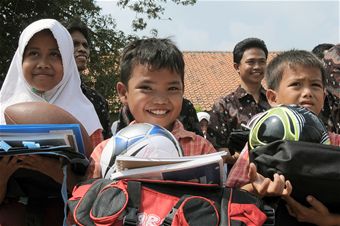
{"type": "Point", "coordinates": [106, 40]}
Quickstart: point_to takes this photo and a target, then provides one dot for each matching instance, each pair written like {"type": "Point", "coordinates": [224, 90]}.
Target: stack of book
{"type": "Point", "coordinates": [44, 139]}
{"type": "Point", "coordinates": [207, 169]}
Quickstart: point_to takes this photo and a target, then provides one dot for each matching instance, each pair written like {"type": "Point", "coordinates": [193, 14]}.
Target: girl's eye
{"type": "Point", "coordinates": [32, 53]}
{"type": "Point", "coordinates": [55, 54]}
{"type": "Point", "coordinates": [173, 88]}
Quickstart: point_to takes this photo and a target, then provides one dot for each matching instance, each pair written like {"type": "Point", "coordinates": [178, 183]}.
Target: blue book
{"type": "Point", "coordinates": [15, 133]}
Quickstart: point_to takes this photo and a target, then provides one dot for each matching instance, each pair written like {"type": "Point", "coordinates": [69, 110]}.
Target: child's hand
{"type": "Point", "coordinates": [265, 186]}
{"type": "Point", "coordinates": [316, 214]}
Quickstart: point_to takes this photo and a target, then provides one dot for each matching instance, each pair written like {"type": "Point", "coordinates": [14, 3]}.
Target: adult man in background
{"type": "Point", "coordinates": [320, 49]}
{"type": "Point", "coordinates": [229, 112]}
{"type": "Point", "coordinates": [81, 40]}
{"type": "Point", "coordinates": [330, 113]}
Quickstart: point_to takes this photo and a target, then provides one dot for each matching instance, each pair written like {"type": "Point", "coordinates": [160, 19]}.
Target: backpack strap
{"type": "Point", "coordinates": [224, 216]}
{"type": "Point", "coordinates": [134, 190]}
{"type": "Point", "coordinates": [270, 213]}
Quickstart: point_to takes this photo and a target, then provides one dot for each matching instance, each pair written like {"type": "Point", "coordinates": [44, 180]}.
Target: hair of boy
{"type": "Point", "coordinates": [291, 59]}
{"type": "Point", "coordinates": [77, 25]}
{"type": "Point", "coordinates": [245, 44]}
{"type": "Point", "coordinates": [153, 52]}
{"type": "Point", "coordinates": [319, 49]}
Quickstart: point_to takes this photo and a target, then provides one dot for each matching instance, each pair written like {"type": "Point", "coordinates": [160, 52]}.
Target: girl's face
{"type": "Point", "coordinates": [42, 65]}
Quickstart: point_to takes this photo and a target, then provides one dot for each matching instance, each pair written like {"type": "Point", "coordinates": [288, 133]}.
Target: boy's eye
{"type": "Point", "coordinates": [295, 84]}
{"type": "Point", "coordinates": [174, 88]}
{"type": "Point", "coordinates": [317, 85]}
{"type": "Point", "coordinates": [145, 87]}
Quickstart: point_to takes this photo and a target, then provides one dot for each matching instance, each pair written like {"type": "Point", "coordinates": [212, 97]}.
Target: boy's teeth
{"type": "Point", "coordinates": [158, 112]}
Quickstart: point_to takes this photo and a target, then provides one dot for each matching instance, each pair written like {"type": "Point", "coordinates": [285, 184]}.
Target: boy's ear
{"type": "Point", "coordinates": [122, 90]}
{"type": "Point", "coordinates": [236, 66]}
{"type": "Point", "coordinates": [272, 97]}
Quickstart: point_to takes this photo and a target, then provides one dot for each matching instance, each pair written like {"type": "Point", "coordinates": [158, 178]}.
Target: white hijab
{"type": "Point", "coordinates": [67, 94]}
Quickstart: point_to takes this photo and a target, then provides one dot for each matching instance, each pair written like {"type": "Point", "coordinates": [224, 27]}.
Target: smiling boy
{"type": "Point", "coordinates": [152, 86]}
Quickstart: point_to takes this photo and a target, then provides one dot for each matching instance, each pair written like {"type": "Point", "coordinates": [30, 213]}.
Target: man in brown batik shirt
{"type": "Point", "coordinates": [238, 107]}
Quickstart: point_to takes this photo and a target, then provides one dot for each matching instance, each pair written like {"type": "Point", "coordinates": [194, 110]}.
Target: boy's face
{"type": "Point", "coordinates": [153, 96]}
{"type": "Point", "coordinates": [252, 66]}
{"type": "Point", "coordinates": [300, 85]}
{"type": "Point", "coordinates": [42, 64]}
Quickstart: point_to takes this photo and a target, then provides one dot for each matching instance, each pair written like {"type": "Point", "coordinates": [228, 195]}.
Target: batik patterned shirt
{"type": "Point", "coordinates": [330, 114]}
{"type": "Point", "coordinates": [229, 112]}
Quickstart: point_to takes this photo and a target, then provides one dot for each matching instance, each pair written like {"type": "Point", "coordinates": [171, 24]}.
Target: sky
{"type": "Point", "coordinates": [219, 25]}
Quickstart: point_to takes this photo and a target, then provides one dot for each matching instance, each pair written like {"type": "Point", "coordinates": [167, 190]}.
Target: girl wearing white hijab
{"type": "Point", "coordinates": [43, 80]}
{"type": "Point", "coordinates": [43, 69]}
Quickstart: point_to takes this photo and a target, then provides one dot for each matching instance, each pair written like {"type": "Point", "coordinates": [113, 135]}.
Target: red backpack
{"type": "Point", "coordinates": [104, 202]}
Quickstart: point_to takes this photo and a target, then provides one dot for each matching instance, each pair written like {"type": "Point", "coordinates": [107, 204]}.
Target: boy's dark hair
{"type": "Point", "coordinates": [319, 49]}
{"type": "Point", "coordinates": [155, 53]}
{"type": "Point", "coordinates": [77, 25]}
{"type": "Point", "coordinates": [247, 44]}
{"type": "Point", "coordinates": [291, 58]}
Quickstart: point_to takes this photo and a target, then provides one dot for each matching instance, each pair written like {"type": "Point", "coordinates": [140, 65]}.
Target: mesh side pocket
{"type": "Point", "coordinates": [195, 210]}
{"type": "Point", "coordinates": [109, 205]}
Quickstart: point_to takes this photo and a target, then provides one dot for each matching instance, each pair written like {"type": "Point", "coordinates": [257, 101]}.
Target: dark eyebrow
{"type": "Point", "coordinates": [175, 83]}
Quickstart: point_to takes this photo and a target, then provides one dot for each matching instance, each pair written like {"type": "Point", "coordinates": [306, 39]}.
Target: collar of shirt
{"type": "Point", "coordinates": [241, 93]}
{"type": "Point", "coordinates": [179, 132]}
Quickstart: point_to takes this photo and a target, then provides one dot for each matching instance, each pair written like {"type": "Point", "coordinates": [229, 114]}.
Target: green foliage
{"type": "Point", "coordinates": [106, 40]}
{"type": "Point", "coordinates": [198, 108]}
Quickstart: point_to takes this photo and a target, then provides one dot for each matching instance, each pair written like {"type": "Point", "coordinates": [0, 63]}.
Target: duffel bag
{"type": "Point", "coordinates": [104, 202]}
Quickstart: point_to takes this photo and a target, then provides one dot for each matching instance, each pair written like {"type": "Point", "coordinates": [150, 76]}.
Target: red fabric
{"type": "Point", "coordinates": [238, 175]}
{"type": "Point", "coordinates": [334, 139]}
{"type": "Point", "coordinates": [247, 213]}
{"type": "Point", "coordinates": [96, 137]}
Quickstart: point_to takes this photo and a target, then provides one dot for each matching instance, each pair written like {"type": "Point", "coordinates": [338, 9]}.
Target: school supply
{"type": "Point", "coordinates": [61, 141]}
{"type": "Point", "coordinates": [207, 169]}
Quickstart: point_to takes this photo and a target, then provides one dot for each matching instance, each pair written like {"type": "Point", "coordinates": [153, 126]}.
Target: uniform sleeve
{"type": "Point", "coordinates": [238, 175]}
{"type": "Point", "coordinates": [94, 169]}
{"type": "Point", "coordinates": [334, 139]}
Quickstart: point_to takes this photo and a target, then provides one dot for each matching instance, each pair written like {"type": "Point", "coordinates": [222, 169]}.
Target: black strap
{"type": "Point", "coordinates": [270, 212]}
{"type": "Point", "coordinates": [224, 218]}
{"type": "Point", "coordinates": [134, 191]}
{"type": "Point", "coordinates": [169, 218]}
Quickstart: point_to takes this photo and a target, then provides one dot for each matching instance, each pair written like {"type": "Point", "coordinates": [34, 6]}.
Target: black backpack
{"type": "Point", "coordinates": [313, 169]}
